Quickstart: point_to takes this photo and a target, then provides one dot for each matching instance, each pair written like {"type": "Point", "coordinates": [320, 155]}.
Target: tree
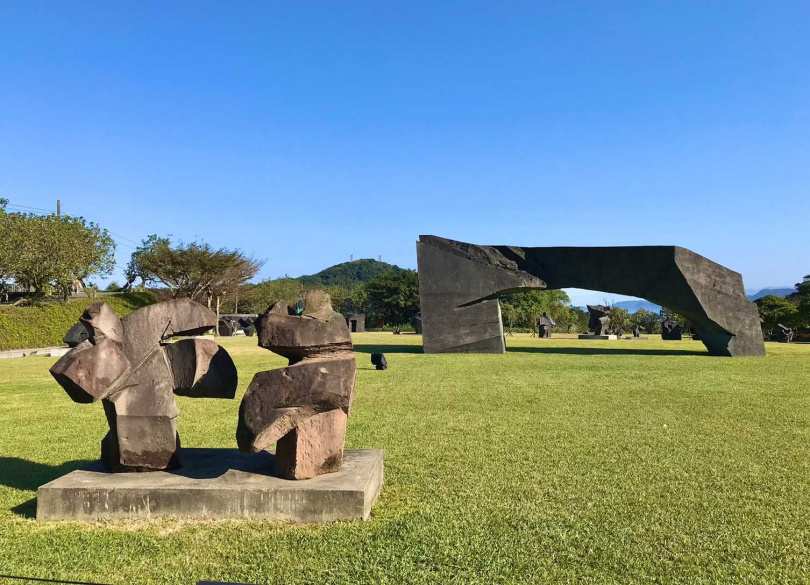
{"type": "Point", "coordinates": [775, 311]}
{"type": "Point", "coordinates": [647, 320]}
{"type": "Point", "coordinates": [269, 292]}
{"type": "Point", "coordinates": [357, 299]}
{"type": "Point", "coordinates": [194, 270]}
{"type": "Point", "coordinates": [50, 253]}
{"type": "Point", "coordinates": [581, 319]}
{"type": "Point", "coordinates": [394, 297]}
{"type": "Point", "coordinates": [112, 286]}
{"type": "Point", "coordinates": [511, 313]}
{"type": "Point", "coordinates": [803, 316]}
{"type": "Point", "coordinates": [668, 314]}
{"type": "Point", "coordinates": [619, 319]}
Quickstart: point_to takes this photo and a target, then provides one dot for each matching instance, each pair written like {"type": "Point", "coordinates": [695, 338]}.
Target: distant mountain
{"type": "Point", "coordinates": [633, 306]}
{"type": "Point", "coordinates": [348, 274]}
{"type": "Point", "coordinates": [777, 292]}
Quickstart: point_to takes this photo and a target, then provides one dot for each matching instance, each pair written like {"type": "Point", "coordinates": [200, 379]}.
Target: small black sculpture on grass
{"type": "Point", "coordinates": [671, 330]}
{"type": "Point", "coordinates": [378, 360]}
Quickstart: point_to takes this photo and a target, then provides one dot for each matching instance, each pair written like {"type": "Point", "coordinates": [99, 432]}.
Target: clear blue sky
{"type": "Point", "coordinates": [304, 132]}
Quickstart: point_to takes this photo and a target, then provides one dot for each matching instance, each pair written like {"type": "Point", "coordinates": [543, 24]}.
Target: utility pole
{"type": "Point", "coordinates": [351, 257]}
{"type": "Point", "coordinates": [58, 208]}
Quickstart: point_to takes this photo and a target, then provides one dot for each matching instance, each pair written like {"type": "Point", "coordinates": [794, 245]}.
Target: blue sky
{"type": "Point", "coordinates": [306, 132]}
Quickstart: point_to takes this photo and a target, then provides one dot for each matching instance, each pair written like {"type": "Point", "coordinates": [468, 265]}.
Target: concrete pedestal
{"type": "Point", "coordinates": [217, 483]}
{"type": "Point", "coordinates": [599, 337]}
{"type": "Point", "coordinates": [640, 337]}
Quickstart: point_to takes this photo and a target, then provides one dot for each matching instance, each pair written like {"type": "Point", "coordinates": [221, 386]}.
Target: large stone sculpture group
{"type": "Point", "coordinates": [459, 284]}
{"type": "Point", "coordinates": [131, 366]}
{"type": "Point", "coordinates": [124, 363]}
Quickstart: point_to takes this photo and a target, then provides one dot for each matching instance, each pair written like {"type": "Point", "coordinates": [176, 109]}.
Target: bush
{"type": "Point", "coordinates": [45, 324]}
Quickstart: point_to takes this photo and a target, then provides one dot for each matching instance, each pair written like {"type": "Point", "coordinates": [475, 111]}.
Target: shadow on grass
{"type": "Point", "coordinates": [388, 348]}
{"type": "Point", "coordinates": [23, 474]}
{"type": "Point", "coordinates": [604, 351]}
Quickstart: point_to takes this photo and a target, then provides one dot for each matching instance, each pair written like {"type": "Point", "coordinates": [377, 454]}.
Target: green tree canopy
{"type": "Point", "coordinates": [646, 319]}
{"type": "Point", "coordinates": [394, 297]}
{"type": "Point", "coordinates": [194, 270]}
{"type": "Point", "coordinates": [777, 310]}
{"type": "Point", "coordinates": [48, 252]}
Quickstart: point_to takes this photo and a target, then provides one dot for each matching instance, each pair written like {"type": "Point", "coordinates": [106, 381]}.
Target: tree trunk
{"type": "Point", "coordinates": [216, 329]}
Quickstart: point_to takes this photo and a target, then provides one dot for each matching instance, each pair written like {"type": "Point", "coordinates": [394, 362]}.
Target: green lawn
{"type": "Point", "coordinates": [561, 461]}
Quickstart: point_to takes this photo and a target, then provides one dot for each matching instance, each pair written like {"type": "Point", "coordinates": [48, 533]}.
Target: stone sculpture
{"type": "Point", "coordinates": [356, 322]}
{"type": "Point", "coordinates": [125, 364]}
{"type": "Point", "coordinates": [784, 334]}
{"type": "Point", "coordinates": [416, 323]}
{"type": "Point", "coordinates": [75, 335]}
{"type": "Point", "coordinates": [378, 361]}
{"type": "Point", "coordinates": [637, 329]}
{"type": "Point", "coordinates": [671, 330]}
{"type": "Point", "coordinates": [545, 325]}
{"type": "Point", "coordinates": [459, 285]}
{"type": "Point", "coordinates": [303, 407]}
{"type": "Point", "coordinates": [225, 327]}
{"type": "Point", "coordinates": [598, 322]}
{"type": "Point", "coordinates": [246, 323]}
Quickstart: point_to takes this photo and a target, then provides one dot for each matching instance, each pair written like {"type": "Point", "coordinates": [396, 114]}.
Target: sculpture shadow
{"type": "Point", "coordinates": [605, 351]}
{"type": "Point", "coordinates": [214, 463]}
{"type": "Point", "coordinates": [23, 474]}
{"type": "Point", "coordinates": [361, 348]}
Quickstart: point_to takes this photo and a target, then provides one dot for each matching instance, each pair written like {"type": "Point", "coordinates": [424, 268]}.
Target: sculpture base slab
{"type": "Point", "coordinates": [639, 337]}
{"type": "Point", "coordinates": [598, 337]}
{"type": "Point", "coordinates": [217, 483]}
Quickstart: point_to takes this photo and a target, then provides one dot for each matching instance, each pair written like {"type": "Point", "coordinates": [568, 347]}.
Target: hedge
{"type": "Point", "coordinates": [45, 324]}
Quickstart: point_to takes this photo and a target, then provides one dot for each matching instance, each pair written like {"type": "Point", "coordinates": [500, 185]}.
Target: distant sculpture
{"type": "Point", "coordinates": [618, 332]}
{"type": "Point", "coordinates": [75, 335]}
{"type": "Point", "coordinates": [598, 322]}
{"type": "Point", "coordinates": [125, 364]}
{"type": "Point", "coordinates": [637, 329]}
{"type": "Point", "coordinates": [378, 361]}
{"type": "Point", "coordinates": [225, 327]}
{"type": "Point", "coordinates": [545, 325]}
{"type": "Point", "coordinates": [416, 323]}
{"type": "Point", "coordinates": [356, 322]}
{"type": "Point", "coordinates": [246, 323]}
{"type": "Point", "coordinates": [303, 407]}
{"type": "Point", "coordinates": [671, 330]}
{"type": "Point", "coordinates": [784, 334]}
{"type": "Point", "coordinates": [459, 286]}
{"type": "Point", "coordinates": [230, 325]}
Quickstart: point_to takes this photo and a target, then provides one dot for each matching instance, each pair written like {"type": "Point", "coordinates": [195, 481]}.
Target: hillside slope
{"type": "Point", "coordinates": [348, 274]}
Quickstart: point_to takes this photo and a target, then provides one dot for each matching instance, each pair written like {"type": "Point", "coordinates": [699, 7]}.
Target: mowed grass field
{"type": "Point", "coordinates": [561, 461]}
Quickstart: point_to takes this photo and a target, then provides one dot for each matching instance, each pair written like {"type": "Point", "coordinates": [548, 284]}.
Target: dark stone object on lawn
{"type": "Point", "coordinates": [225, 327]}
{"type": "Point", "coordinates": [378, 360]}
{"type": "Point", "coordinates": [356, 322]}
{"type": "Point", "coordinates": [416, 323]}
{"type": "Point", "coordinates": [637, 329]}
{"type": "Point", "coordinates": [545, 325]}
{"type": "Point", "coordinates": [126, 364]}
{"type": "Point", "coordinates": [246, 323]}
{"type": "Point", "coordinates": [303, 407]}
{"type": "Point", "coordinates": [459, 285]}
{"type": "Point", "coordinates": [76, 335]}
{"type": "Point", "coordinates": [784, 334]}
{"type": "Point", "coordinates": [671, 330]}
{"type": "Point", "coordinates": [598, 322]}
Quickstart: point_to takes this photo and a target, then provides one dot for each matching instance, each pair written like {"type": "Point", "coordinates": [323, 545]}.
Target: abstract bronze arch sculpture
{"type": "Point", "coordinates": [459, 284]}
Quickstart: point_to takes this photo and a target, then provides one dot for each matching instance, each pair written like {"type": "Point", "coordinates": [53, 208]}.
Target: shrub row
{"type": "Point", "coordinates": [45, 324]}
